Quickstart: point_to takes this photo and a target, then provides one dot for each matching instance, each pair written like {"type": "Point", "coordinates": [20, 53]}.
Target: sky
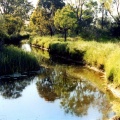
{"type": "Point", "coordinates": [34, 2]}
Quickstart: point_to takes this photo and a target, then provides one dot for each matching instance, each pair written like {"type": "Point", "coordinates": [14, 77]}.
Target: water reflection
{"type": "Point", "coordinates": [76, 95]}
{"type": "Point", "coordinates": [26, 47]}
{"type": "Point", "coordinates": [68, 89]}
{"type": "Point", "coordinates": [11, 89]}
{"type": "Point", "coordinates": [71, 85]}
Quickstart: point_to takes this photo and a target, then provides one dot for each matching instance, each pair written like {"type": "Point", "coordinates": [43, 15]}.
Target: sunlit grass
{"type": "Point", "coordinates": [12, 59]}
{"type": "Point", "coordinates": [104, 56]}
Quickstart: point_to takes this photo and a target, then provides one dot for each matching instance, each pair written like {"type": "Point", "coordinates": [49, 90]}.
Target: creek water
{"type": "Point", "coordinates": [59, 92]}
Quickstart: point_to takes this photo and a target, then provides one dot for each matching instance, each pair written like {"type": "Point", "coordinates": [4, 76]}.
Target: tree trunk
{"type": "Point", "coordinates": [65, 33]}
{"type": "Point", "coordinates": [51, 31]}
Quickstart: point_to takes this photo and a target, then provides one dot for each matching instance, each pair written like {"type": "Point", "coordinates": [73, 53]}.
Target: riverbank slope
{"type": "Point", "coordinates": [103, 56]}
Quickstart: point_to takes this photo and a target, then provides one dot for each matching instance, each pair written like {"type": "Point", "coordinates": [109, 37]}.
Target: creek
{"type": "Point", "coordinates": [59, 92]}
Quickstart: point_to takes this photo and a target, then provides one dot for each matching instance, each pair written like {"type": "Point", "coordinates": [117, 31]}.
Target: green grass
{"type": "Point", "coordinates": [102, 55]}
{"type": "Point", "coordinates": [43, 41]}
{"type": "Point", "coordinates": [13, 59]}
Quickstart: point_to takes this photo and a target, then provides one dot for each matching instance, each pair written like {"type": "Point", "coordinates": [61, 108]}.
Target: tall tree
{"type": "Point", "coordinates": [113, 8]}
{"type": "Point", "coordinates": [19, 8]}
{"type": "Point", "coordinates": [50, 6]}
{"type": "Point", "coordinates": [65, 19]}
{"type": "Point", "coordinates": [85, 11]}
{"type": "Point", "coordinates": [38, 21]}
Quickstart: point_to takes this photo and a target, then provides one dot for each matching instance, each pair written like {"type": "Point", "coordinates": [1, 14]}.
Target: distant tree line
{"type": "Point", "coordinates": [13, 14]}
{"type": "Point", "coordinates": [87, 18]}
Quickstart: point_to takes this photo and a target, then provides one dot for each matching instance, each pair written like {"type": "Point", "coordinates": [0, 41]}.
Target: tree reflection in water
{"type": "Point", "coordinates": [13, 88]}
{"type": "Point", "coordinates": [69, 84]}
{"type": "Point", "coordinates": [77, 95]}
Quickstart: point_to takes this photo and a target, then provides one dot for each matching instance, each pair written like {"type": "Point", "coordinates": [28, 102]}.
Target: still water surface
{"type": "Point", "coordinates": [58, 92]}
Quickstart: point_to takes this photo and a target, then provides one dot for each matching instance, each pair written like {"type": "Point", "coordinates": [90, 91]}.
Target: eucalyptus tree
{"type": "Point", "coordinates": [113, 8]}
{"type": "Point", "coordinates": [50, 6]}
{"type": "Point", "coordinates": [19, 8]}
{"type": "Point", "coordinates": [65, 19]}
{"type": "Point", "coordinates": [38, 21]}
{"type": "Point", "coordinates": [15, 12]}
{"type": "Point", "coordinates": [85, 11]}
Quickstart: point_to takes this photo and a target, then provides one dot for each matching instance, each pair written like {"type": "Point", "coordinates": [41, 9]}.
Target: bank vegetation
{"type": "Point", "coordinates": [103, 55]}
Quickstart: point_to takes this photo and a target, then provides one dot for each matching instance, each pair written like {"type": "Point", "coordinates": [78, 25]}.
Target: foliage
{"type": "Point", "coordinates": [40, 22]}
{"type": "Point", "coordinates": [13, 24]}
{"type": "Point", "coordinates": [43, 42]}
{"type": "Point", "coordinates": [3, 31]}
{"type": "Point", "coordinates": [65, 19]}
{"type": "Point", "coordinates": [16, 8]}
{"type": "Point", "coordinates": [113, 8]}
{"type": "Point", "coordinates": [48, 8]}
{"type": "Point", "coordinates": [95, 54]}
{"type": "Point", "coordinates": [93, 18]}
{"type": "Point", "coordinates": [13, 14]}
{"type": "Point", "coordinates": [51, 5]}
{"type": "Point", "coordinates": [10, 28]}
{"type": "Point", "coordinates": [88, 13]}
{"type": "Point", "coordinates": [13, 60]}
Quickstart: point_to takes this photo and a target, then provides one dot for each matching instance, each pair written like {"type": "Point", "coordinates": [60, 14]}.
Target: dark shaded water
{"type": "Point", "coordinates": [59, 92]}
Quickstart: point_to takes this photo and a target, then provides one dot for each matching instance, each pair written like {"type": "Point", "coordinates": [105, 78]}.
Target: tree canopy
{"type": "Point", "coordinates": [13, 24]}
{"type": "Point", "coordinates": [38, 21]}
{"type": "Point", "coordinates": [113, 8]}
{"type": "Point", "coordinates": [19, 8]}
{"type": "Point", "coordinates": [65, 19]}
{"type": "Point", "coordinates": [51, 4]}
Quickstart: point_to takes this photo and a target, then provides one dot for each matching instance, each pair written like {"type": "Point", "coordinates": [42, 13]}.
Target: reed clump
{"type": "Point", "coordinates": [13, 59]}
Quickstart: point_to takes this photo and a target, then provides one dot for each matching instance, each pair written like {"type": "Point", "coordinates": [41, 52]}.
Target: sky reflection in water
{"type": "Point", "coordinates": [54, 94]}
{"type": "Point", "coordinates": [30, 106]}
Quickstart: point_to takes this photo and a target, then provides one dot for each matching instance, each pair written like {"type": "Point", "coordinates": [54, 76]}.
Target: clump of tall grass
{"type": "Point", "coordinates": [66, 50]}
{"type": "Point", "coordinates": [13, 59]}
{"type": "Point", "coordinates": [43, 42]}
{"type": "Point", "coordinates": [112, 66]}
{"type": "Point", "coordinates": [105, 56]}
{"type": "Point", "coordinates": [97, 53]}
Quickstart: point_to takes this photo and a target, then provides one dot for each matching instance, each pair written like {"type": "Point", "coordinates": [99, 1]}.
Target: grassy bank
{"type": "Point", "coordinates": [104, 56]}
{"type": "Point", "coordinates": [12, 60]}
